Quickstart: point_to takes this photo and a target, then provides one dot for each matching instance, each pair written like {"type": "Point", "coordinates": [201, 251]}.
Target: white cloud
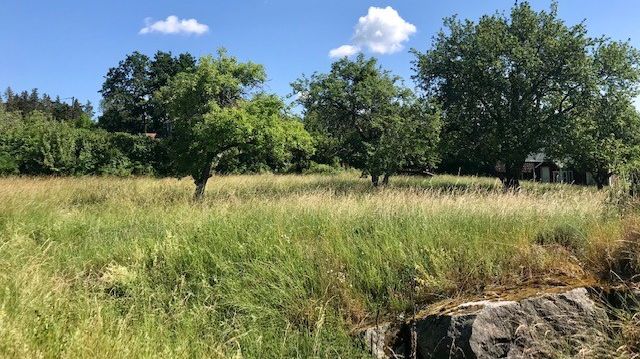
{"type": "Point", "coordinates": [174, 25]}
{"type": "Point", "coordinates": [344, 50]}
{"type": "Point", "coordinates": [381, 31]}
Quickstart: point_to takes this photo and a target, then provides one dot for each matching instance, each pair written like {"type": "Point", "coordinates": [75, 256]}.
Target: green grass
{"type": "Point", "coordinates": [268, 266]}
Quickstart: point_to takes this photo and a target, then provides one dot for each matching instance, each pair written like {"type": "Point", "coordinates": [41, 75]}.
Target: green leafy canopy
{"type": "Point", "coordinates": [365, 117]}
{"type": "Point", "coordinates": [508, 85]}
{"type": "Point", "coordinates": [216, 113]}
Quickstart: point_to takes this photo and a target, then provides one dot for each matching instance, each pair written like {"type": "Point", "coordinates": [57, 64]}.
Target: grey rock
{"type": "Point", "coordinates": [376, 340]}
{"type": "Point", "coordinates": [539, 327]}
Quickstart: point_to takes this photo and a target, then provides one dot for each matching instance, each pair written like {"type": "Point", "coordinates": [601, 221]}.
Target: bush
{"type": "Point", "coordinates": [39, 145]}
{"type": "Point", "coordinates": [8, 165]}
{"type": "Point", "coordinates": [321, 169]}
{"type": "Point", "coordinates": [140, 151]}
{"type": "Point", "coordinates": [36, 144]}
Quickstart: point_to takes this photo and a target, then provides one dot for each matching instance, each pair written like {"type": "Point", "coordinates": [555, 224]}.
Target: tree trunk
{"type": "Point", "coordinates": [385, 179]}
{"type": "Point", "coordinates": [511, 179]}
{"type": "Point", "coordinates": [511, 182]}
{"type": "Point", "coordinates": [374, 180]}
{"type": "Point", "coordinates": [200, 187]}
{"type": "Point", "coordinates": [601, 179]}
{"type": "Point", "coordinates": [201, 182]}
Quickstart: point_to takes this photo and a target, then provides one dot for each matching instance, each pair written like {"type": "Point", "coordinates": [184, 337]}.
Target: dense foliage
{"type": "Point", "coordinates": [507, 84]}
{"type": "Point", "coordinates": [25, 103]}
{"type": "Point", "coordinates": [364, 117]}
{"type": "Point", "coordinates": [212, 117]}
{"type": "Point", "coordinates": [37, 144]}
{"type": "Point", "coordinates": [129, 103]}
{"type": "Point", "coordinates": [215, 121]}
{"type": "Point", "coordinates": [605, 135]}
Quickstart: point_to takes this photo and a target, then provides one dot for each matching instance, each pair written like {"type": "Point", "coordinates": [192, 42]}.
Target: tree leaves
{"type": "Point", "coordinates": [215, 119]}
{"type": "Point", "coordinates": [362, 115]}
{"type": "Point", "coordinates": [507, 85]}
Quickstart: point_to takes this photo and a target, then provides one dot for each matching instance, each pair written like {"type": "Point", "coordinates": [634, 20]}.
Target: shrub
{"type": "Point", "coordinates": [321, 169]}
{"type": "Point", "coordinates": [38, 145]}
{"type": "Point", "coordinates": [139, 150]}
{"type": "Point", "coordinates": [8, 165]}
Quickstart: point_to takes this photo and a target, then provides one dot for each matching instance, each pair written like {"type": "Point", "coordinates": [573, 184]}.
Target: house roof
{"type": "Point", "coordinates": [542, 157]}
{"type": "Point", "coordinates": [536, 157]}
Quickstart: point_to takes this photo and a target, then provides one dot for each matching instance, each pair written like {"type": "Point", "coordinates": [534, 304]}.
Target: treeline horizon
{"type": "Point", "coordinates": [489, 92]}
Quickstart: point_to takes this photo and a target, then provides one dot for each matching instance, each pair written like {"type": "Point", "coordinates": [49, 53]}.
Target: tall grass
{"type": "Point", "coordinates": [268, 266]}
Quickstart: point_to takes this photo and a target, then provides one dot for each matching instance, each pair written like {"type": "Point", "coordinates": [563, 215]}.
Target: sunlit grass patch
{"type": "Point", "coordinates": [284, 265]}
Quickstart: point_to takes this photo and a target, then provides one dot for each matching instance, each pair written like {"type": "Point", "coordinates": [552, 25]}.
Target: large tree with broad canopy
{"type": "Point", "coordinates": [508, 85]}
{"type": "Point", "coordinates": [214, 113]}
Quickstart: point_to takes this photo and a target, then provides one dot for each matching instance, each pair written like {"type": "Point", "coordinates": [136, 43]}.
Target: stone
{"type": "Point", "coordinates": [375, 339]}
{"type": "Point", "coordinates": [569, 322]}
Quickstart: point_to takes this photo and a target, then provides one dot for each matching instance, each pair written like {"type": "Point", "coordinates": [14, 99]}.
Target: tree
{"type": "Point", "coordinates": [606, 135]}
{"type": "Point", "coordinates": [9, 96]}
{"type": "Point", "coordinates": [409, 141]}
{"type": "Point", "coordinates": [364, 116]}
{"type": "Point", "coordinates": [280, 142]}
{"type": "Point", "coordinates": [213, 116]}
{"type": "Point", "coordinates": [125, 94]}
{"type": "Point", "coordinates": [507, 85]}
{"type": "Point", "coordinates": [128, 92]}
{"type": "Point", "coordinates": [26, 103]}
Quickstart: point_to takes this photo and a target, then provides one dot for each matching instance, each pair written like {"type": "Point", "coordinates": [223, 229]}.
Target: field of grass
{"type": "Point", "coordinates": [271, 266]}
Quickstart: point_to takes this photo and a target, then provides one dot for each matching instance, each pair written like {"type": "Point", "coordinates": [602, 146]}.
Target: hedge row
{"type": "Point", "coordinates": [40, 146]}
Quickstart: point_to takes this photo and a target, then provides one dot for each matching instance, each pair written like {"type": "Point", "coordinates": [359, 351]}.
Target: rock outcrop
{"type": "Point", "coordinates": [570, 322]}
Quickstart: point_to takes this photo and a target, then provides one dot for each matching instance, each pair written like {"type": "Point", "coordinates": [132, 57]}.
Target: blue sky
{"type": "Point", "coordinates": [65, 47]}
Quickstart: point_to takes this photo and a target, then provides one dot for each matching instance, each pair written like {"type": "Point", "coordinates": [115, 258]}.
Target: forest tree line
{"type": "Point", "coordinates": [491, 91]}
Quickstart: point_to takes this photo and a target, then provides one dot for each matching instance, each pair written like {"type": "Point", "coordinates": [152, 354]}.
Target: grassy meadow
{"type": "Point", "coordinates": [273, 266]}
